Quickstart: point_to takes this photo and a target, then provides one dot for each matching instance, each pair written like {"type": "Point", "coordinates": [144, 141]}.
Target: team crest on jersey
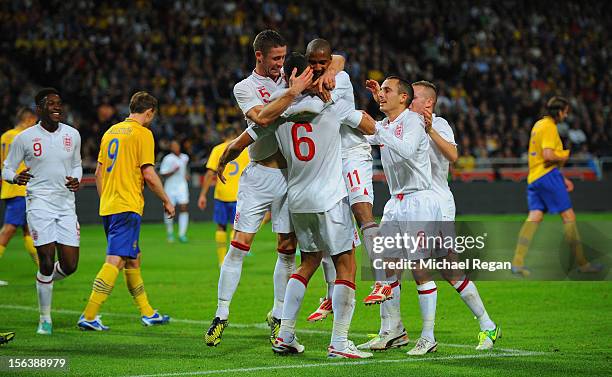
{"type": "Point", "coordinates": [355, 189]}
{"type": "Point", "coordinates": [399, 131]}
{"type": "Point", "coordinates": [67, 143]}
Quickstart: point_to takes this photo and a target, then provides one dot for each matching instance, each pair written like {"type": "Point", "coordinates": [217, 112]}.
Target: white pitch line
{"type": "Point", "coordinates": [343, 363]}
{"type": "Point", "coordinates": [236, 325]}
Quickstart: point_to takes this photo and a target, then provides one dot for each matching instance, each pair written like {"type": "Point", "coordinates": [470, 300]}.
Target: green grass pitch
{"type": "Point", "coordinates": [549, 328]}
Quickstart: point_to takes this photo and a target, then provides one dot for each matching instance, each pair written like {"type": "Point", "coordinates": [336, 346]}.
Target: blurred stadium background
{"type": "Point", "coordinates": [495, 63]}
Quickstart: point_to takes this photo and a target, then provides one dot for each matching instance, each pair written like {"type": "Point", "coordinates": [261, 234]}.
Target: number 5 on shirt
{"type": "Point", "coordinates": [113, 151]}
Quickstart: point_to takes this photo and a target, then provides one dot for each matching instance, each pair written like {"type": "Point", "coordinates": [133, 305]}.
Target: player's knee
{"type": "Point", "coordinates": [183, 208]}
{"type": "Point", "coordinates": [8, 230]}
{"type": "Point", "coordinates": [69, 268]}
{"type": "Point", "coordinates": [535, 216]}
{"type": "Point", "coordinates": [287, 241]}
{"type": "Point", "coordinates": [243, 238]}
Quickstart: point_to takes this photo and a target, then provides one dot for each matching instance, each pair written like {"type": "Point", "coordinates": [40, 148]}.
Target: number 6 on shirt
{"type": "Point", "coordinates": [113, 151]}
{"type": "Point", "coordinates": [304, 139]}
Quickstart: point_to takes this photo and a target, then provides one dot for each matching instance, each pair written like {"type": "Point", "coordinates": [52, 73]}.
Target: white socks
{"type": "Point", "coordinates": [285, 265]}
{"type": "Point", "coordinates": [296, 287]}
{"type": "Point", "coordinates": [231, 269]}
{"type": "Point", "coordinates": [469, 294]}
{"type": "Point", "coordinates": [44, 287]}
{"type": "Point", "coordinates": [169, 226]}
{"type": "Point", "coordinates": [392, 307]}
{"type": "Point", "coordinates": [428, 295]}
{"type": "Point", "coordinates": [343, 304]}
{"type": "Point", "coordinates": [58, 274]}
{"type": "Point", "coordinates": [183, 221]}
{"type": "Point", "coordinates": [329, 272]}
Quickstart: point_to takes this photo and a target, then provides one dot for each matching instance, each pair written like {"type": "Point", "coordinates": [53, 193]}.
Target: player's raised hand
{"type": "Point", "coordinates": [300, 83]}
{"type": "Point", "coordinates": [23, 177]}
{"type": "Point", "coordinates": [72, 184]}
{"type": "Point", "coordinates": [327, 80]}
{"type": "Point", "coordinates": [373, 87]}
{"type": "Point", "coordinates": [169, 209]}
{"type": "Point", "coordinates": [428, 116]}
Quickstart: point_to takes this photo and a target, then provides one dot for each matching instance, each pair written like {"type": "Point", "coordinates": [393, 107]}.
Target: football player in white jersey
{"type": "Point", "coordinates": [356, 171]}
{"type": "Point", "coordinates": [321, 214]}
{"type": "Point", "coordinates": [263, 184]}
{"type": "Point", "coordinates": [443, 151]}
{"type": "Point", "coordinates": [404, 148]}
{"type": "Point", "coordinates": [174, 169]}
{"type": "Point", "coordinates": [51, 152]}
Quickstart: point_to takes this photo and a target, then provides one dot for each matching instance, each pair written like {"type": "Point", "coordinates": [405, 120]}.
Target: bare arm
{"type": "Point", "coordinates": [552, 157]}
{"type": "Point", "coordinates": [447, 149]}
{"type": "Point", "coordinates": [155, 184]}
{"type": "Point", "coordinates": [232, 151]}
{"type": "Point", "coordinates": [206, 183]}
{"type": "Point", "coordinates": [367, 126]}
{"type": "Point", "coordinates": [263, 116]}
{"type": "Point", "coordinates": [98, 174]}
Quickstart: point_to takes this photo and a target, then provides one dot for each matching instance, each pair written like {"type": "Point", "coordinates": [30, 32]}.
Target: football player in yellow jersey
{"type": "Point", "coordinates": [125, 162]}
{"type": "Point", "coordinates": [547, 189]}
{"type": "Point", "coordinates": [226, 193]}
{"type": "Point", "coordinates": [14, 195]}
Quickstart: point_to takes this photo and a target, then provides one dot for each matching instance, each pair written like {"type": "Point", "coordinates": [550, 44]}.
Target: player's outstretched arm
{"type": "Point", "coordinates": [367, 126]}
{"type": "Point", "coordinates": [155, 184]}
{"type": "Point", "coordinates": [231, 152]}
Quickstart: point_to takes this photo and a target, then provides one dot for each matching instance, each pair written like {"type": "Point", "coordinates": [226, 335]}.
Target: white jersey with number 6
{"type": "Point", "coordinates": [314, 161]}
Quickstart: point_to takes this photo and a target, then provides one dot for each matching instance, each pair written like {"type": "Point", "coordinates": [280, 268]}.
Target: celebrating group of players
{"type": "Point", "coordinates": [311, 167]}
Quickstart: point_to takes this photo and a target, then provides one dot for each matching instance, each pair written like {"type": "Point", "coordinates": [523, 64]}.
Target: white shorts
{"type": "Point", "coordinates": [331, 232]}
{"type": "Point", "coordinates": [47, 227]}
{"type": "Point", "coordinates": [357, 172]}
{"type": "Point", "coordinates": [180, 196]}
{"type": "Point", "coordinates": [262, 189]}
{"type": "Point", "coordinates": [417, 215]}
{"type": "Point", "coordinates": [447, 206]}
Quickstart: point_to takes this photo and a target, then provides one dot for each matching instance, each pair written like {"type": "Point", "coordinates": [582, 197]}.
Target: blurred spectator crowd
{"type": "Point", "coordinates": [495, 62]}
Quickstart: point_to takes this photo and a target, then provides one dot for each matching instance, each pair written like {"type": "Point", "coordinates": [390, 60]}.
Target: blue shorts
{"type": "Point", "coordinates": [15, 211]}
{"type": "Point", "coordinates": [548, 193]}
{"type": "Point", "coordinates": [122, 232]}
{"type": "Point", "coordinates": [224, 212]}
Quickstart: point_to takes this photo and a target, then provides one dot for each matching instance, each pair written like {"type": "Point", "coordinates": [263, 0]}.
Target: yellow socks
{"type": "Point", "coordinates": [525, 236]}
{"type": "Point", "coordinates": [2, 248]}
{"type": "Point", "coordinates": [135, 285]}
{"type": "Point", "coordinates": [221, 239]}
{"type": "Point", "coordinates": [29, 246]}
{"type": "Point", "coordinates": [102, 288]}
{"type": "Point", "coordinates": [573, 239]}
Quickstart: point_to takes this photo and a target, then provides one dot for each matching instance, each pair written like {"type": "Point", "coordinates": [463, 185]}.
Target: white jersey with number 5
{"type": "Point", "coordinates": [256, 90]}
{"type": "Point", "coordinates": [51, 157]}
{"type": "Point", "coordinates": [314, 160]}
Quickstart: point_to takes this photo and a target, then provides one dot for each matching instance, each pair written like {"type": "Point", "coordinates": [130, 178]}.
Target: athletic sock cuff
{"type": "Point", "coordinates": [427, 288]}
{"type": "Point", "coordinates": [349, 284]}
{"type": "Point", "coordinates": [299, 278]}
{"type": "Point", "coordinates": [240, 246]}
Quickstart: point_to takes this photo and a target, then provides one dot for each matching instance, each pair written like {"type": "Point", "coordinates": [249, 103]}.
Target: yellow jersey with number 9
{"type": "Point", "coordinates": [125, 148]}
{"type": "Point", "coordinates": [544, 135]}
{"type": "Point", "coordinates": [10, 190]}
{"type": "Point", "coordinates": [228, 191]}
